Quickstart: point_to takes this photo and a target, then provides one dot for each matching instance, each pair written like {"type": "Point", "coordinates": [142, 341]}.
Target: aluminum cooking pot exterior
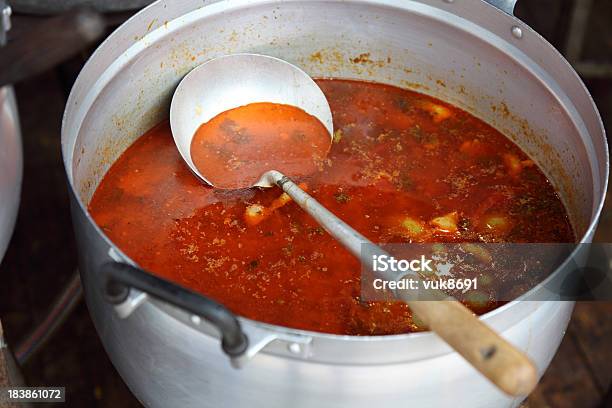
{"type": "Point", "coordinates": [11, 165]}
{"type": "Point", "coordinates": [468, 53]}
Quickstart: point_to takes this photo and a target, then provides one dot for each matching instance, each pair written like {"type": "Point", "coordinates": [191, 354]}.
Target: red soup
{"type": "Point", "coordinates": [233, 149]}
{"type": "Point", "coordinates": [403, 167]}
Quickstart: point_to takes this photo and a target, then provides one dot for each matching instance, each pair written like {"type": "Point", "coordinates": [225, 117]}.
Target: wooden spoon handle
{"type": "Point", "coordinates": [507, 367]}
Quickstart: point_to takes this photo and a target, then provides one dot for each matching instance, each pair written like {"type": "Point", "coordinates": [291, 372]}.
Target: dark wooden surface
{"type": "Point", "coordinates": [42, 256]}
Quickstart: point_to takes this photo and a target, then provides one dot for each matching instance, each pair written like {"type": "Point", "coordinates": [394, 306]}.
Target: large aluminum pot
{"type": "Point", "coordinates": [468, 52]}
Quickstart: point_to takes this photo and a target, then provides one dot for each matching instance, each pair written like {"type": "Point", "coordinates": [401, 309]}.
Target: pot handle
{"type": "Point", "coordinates": [119, 277]}
{"type": "Point", "coordinates": [507, 6]}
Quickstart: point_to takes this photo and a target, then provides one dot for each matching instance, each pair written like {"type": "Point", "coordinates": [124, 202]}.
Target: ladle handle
{"type": "Point", "coordinates": [504, 365]}
{"type": "Point", "coordinates": [341, 231]}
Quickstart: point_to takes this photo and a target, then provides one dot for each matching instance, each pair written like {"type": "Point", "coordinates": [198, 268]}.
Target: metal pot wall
{"type": "Point", "coordinates": [11, 165]}
{"type": "Point", "coordinates": [11, 155]}
{"type": "Point", "coordinates": [468, 53]}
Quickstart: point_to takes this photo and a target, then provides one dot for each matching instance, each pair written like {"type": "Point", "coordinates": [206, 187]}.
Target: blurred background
{"type": "Point", "coordinates": [41, 258]}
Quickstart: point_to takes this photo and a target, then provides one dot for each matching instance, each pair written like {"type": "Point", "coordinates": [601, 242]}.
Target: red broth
{"type": "Point", "coordinates": [235, 148]}
{"type": "Point", "coordinates": [403, 167]}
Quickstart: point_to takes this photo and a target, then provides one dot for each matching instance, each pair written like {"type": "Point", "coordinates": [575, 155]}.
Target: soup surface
{"type": "Point", "coordinates": [233, 149]}
{"type": "Point", "coordinates": [403, 167]}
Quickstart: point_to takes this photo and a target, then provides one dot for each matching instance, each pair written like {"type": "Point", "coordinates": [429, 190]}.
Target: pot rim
{"type": "Point", "coordinates": [585, 238]}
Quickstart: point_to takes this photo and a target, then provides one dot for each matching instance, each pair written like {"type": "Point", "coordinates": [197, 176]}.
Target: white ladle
{"type": "Point", "coordinates": [240, 79]}
{"type": "Point", "coordinates": [236, 80]}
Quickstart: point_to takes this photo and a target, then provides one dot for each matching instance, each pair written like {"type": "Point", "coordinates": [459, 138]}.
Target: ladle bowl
{"type": "Point", "coordinates": [231, 81]}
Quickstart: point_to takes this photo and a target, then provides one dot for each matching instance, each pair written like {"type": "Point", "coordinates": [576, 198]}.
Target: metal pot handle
{"type": "Point", "coordinates": [119, 277]}
{"type": "Point", "coordinates": [507, 6]}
